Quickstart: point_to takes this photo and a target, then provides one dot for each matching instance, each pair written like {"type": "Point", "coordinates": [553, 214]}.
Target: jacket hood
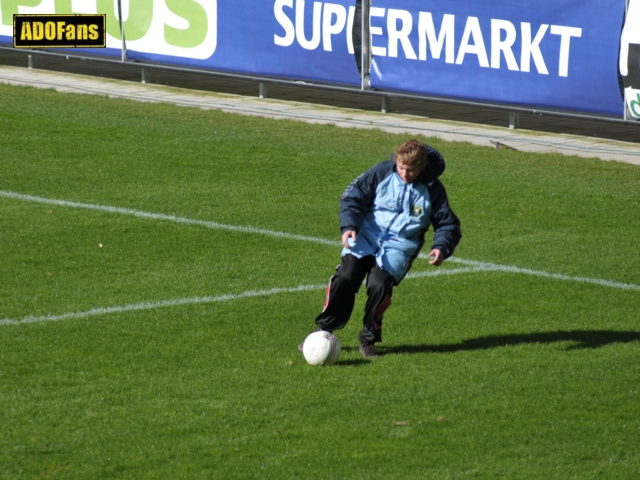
{"type": "Point", "coordinates": [434, 169]}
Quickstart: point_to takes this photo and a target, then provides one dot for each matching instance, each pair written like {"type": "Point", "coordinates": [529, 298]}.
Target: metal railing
{"type": "Point", "coordinates": [386, 97]}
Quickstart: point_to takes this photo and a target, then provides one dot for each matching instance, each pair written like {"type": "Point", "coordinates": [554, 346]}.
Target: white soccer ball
{"type": "Point", "coordinates": [321, 348]}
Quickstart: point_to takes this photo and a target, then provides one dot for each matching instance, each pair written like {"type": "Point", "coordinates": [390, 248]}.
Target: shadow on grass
{"type": "Point", "coordinates": [582, 339]}
{"type": "Point", "coordinates": [357, 362]}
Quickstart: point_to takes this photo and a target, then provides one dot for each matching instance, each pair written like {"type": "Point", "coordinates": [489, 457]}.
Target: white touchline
{"type": "Point", "coordinates": [472, 265]}
{"type": "Point", "coordinates": [198, 300]}
{"type": "Point", "coordinates": [168, 218]}
{"type": "Point", "coordinates": [484, 266]}
{"type": "Point", "coordinates": [159, 304]}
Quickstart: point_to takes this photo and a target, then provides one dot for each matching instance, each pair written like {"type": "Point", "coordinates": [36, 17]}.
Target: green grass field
{"type": "Point", "coordinates": [141, 346]}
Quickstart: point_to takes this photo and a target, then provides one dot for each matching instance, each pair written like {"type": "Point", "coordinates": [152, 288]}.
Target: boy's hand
{"type": "Point", "coordinates": [349, 234]}
{"type": "Point", "coordinates": [438, 257]}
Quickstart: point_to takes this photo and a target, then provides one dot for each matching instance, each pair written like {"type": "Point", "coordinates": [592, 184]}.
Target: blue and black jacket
{"type": "Point", "coordinates": [390, 213]}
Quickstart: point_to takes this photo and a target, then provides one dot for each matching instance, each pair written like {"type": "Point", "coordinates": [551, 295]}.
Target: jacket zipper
{"type": "Point", "coordinates": [404, 192]}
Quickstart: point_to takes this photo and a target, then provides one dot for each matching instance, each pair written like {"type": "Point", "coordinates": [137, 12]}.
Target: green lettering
{"type": "Point", "coordinates": [62, 6]}
{"type": "Point", "coordinates": [196, 15]}
{"type": "Point", "coordinates": [110, 9]}
{"type": "Point", "coordinates": [138, 22]}
{"type": "Point", "coordinates": [634, 104]}
{"type": "Point", "coordinates": [9, 7]}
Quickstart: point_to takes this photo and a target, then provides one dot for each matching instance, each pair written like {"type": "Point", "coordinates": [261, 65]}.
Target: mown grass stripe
{"type": "Point", "coordinates": [538, 273]}
{"type": "Point", "coordinates": [472, 265]}
{"type": "Point", "coordinates": [159, 304]}
{"type": "Point", "coordinates": [169, 218]}
{"type": "Point", "coordinates": [199, 300]}
{"type": "Point", "coordinates": [477, 267]}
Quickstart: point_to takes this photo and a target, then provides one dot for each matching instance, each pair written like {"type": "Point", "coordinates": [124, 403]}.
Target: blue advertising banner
{"type": "Point", "coordinates": [571, 55]}
{"type": "Point", "coordinates": [61, 7]}
{"type": "Point", "coordinates": [293, 39]}
{"type": "Point", "coordinates": [559, 54]}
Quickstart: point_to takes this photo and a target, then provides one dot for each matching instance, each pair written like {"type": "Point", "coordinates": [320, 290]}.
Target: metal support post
{"type": "Point", "coordinates": [146, 75]}
{"type": "Point", "coordinates": [365, 42]}
{"type": "Point", "coordinates": [514, 120]}
{"type": "Point", "coordinates": [386, 104]}
{"type": "Point", "coordinates": [264, 90]}
{"type": "Point", "coordinates": [33, 62]}
{"type": "Point", "coordinates": [123, 51]}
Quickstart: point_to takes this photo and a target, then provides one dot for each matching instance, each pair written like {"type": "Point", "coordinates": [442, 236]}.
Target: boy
{"type": "Point", "coordinates": [384, 215]}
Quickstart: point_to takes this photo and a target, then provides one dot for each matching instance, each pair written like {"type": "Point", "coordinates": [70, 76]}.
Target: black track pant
{"type": "Point", "coordinates": [341, 296]}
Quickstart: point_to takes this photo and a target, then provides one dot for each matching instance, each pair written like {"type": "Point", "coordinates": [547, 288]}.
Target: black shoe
{"type": "Point", "coordinates": [368, 350]}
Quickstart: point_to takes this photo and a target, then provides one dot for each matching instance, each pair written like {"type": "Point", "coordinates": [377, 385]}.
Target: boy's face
{"type": "Point", "coordinates": [408, 173]}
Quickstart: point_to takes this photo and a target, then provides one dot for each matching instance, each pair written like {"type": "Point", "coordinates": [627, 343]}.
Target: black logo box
{"type": "Point", "coordinates": [59, 31]}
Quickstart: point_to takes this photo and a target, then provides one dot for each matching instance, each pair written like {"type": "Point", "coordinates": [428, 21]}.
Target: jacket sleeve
{"type": "Point", "coordinates": [446, 225]}
{"type": "Point", "coordinates": [357, 199]}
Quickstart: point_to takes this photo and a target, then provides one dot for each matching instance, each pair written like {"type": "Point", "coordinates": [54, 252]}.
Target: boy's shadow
{"type": "Point", "coordinates": [581, 339]}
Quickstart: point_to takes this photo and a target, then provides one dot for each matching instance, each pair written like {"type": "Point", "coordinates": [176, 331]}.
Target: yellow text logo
{"type": "Point", "coordinates": [59, 31]}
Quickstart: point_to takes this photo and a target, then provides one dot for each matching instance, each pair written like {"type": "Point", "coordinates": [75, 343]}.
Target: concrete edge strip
{"type": "Point", "coordinates": [520, 141]}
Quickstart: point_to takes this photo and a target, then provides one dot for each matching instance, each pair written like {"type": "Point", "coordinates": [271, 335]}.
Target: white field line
{"type": "Point", "coordinates": [484, 266]}
{"type": "Point", "coordinates": [290, 236]}
{"type": "Point", "coordinates": [199, 300]}
{"type": "Point", "coordinates": [159, 304]}
{"type": "Point", "coordinates": [168, 218]}
{"type": "Point", "coordinates": [472, 265]}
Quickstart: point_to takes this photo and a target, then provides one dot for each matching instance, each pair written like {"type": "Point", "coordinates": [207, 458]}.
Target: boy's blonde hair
{"type": "Point", "coordinates": [412, 153]}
